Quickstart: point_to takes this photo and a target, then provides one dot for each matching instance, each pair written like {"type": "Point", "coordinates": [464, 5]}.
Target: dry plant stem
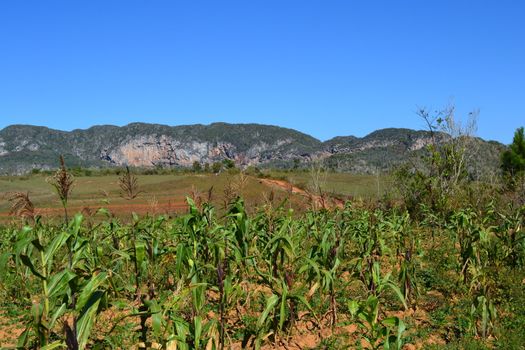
{"type": "Point", "coordinates": [129, 185]}
{"type": "Point", "coordinates": [21, 205]}
{"type": "Point", "coordinates": [62, 181]}
{"type": "Point", "coordinates": [196, 196]}
{"type": "Point", "coordinates": [210, 194]}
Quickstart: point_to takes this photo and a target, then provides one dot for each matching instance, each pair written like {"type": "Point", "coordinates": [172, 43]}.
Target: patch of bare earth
{"type": "Point", "coordinates": [319, 201]}
{"type": "Point", "coordinates": [10, 330]}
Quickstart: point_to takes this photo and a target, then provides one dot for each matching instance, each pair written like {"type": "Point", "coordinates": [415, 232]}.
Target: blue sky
{"type": "Point", "coordinates": [326, 68]}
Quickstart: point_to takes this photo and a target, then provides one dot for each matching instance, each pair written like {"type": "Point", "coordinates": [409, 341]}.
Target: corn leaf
{"type": "Point", "coordinates": [27, 262]}
{"type": "Point", "coordinates": [87, 318]}
{"type": "Point", "coordinates": [270, 304]}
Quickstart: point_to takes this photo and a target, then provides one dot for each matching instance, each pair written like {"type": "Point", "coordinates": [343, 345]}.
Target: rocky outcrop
{"type": "Point", "coordinates": [163, 150]}
{"type": "Point", "coordinates": [151, 150]}
{"type": "Point", "coordinates": [3, 151]}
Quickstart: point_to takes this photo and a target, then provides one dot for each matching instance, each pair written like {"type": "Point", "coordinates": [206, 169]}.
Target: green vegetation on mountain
{"type": "Point", "coordinates": [25, 147]}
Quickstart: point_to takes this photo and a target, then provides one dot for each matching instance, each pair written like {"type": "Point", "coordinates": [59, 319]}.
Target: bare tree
{"type": "Point", "coordinates": [444, 173]}
{"type": "Point", "coordinates": [452, 142]}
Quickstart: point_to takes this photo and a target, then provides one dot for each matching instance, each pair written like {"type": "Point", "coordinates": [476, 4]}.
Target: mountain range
{"type": "Point", "coordinates": [27, 147]}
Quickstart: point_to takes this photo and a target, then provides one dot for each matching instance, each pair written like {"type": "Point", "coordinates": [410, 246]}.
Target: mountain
{"type": "Point", "coordinates": [385, 149]}
{"type": "Point", "coordinates": [25, 147]}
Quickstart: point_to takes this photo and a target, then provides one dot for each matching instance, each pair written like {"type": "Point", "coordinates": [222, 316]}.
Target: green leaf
{"type": "Point", "coordinates": [22, 339]}
{"type": "Point", "coordinates": [353, 307]}
{"type": "Point", "coordinates": [104, 211]}
{"type": "Point", "coordinates": [76, 223]}
{"type": "Point", "coordinates": [156, 317]}
{"type": "Point", "coordinates": [391, 321]}
{"type": "Point", "coordinates": [395, 322]}
{"type": "Point", "coordinates": [58, 283]}
{"type": "Point", "coordinates": [89, 289]}
{"type": "Point", "coordinates": [199, 295]}
{"type": "Point", "coordinates": [87, 318]}
{"type": "Point", "coordinates": [54, 345]}
{"type": "Point", "coordinates": [54, 246]}
{"type": "Point", "coordinates": [397, 291]}
{"type": "Point", "coordinates": [58, 313]}
{"type": "Point", "coordinates": [22, 244]}
{"type": "Point", "coordinates": [270, 304]}
{"type": "Point", "coordinates": [282, 311]}
{"type": "Point", "coordinates": [197, 322]}
{"type": "Point", "coordinates": [400, 329]}
{"type": "Point", "coordinates": [26, 261]}
{"type": "Point", "coordinates": [140, 253]}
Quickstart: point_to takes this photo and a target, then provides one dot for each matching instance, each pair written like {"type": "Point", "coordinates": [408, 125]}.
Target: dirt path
{"type": "Point", "coordinates": [325, 201]}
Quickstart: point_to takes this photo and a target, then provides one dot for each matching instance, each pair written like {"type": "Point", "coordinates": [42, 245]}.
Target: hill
{"type": "Point", "coordinates": [26, 147]}
{"type": "Point", "coordinates": [384, 149]}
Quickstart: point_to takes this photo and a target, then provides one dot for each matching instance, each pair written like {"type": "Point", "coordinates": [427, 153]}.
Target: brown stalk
{"type": "Point", "coordinates": [21, 205]}
{"type": "Point", "coordinates": [196, 196]}
{"type": "Point", "coordinates": [62, 181]}
{"type": "Point", "coordinates": [210, 194]}
{"type": "Point", "coordinates": [129, 185]}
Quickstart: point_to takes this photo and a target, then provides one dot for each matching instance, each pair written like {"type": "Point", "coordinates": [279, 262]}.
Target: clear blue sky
{"type": "Point", "coordinates": [326, 68]}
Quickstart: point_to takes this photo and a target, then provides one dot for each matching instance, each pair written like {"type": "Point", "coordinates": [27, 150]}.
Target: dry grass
{"type": "Point", "coordinates": [170, 192]}
{"type": "Point", "coordinates": [21, 205]}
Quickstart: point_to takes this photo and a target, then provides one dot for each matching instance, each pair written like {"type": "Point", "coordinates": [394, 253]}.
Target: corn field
{"type": "Point", "coordinates": [352, 277]}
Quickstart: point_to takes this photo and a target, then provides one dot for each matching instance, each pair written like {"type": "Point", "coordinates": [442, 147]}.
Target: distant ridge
{"type": "Point", "coordinates": [27, 147]}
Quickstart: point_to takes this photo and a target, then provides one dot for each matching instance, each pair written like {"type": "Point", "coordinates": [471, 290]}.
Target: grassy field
{"type": "Point", "coordinates": [167, 193]}
{"type": "Point", "coordinates": [352, 185]}
{"type": "Point", "coordinates": [161, 193]}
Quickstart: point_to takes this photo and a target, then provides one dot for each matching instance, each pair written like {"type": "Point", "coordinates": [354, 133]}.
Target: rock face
{"type": "Point", "coordinates": [152, 150]}
{"type": "Point", "coordinates": [24, 147]}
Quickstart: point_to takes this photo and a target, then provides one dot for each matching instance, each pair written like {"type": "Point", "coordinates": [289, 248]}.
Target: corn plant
{"type": "Point", "coordinates": [324, 264]}
{"type": "Point", "coordinates": [379, 333]}
{"type": "Point", "coordinates": [511, 234]}
{"type": "Point", "coordinates": [206, 281]}
{"type": "Point", "coordinates": [367, 233]}
{"type": "Point", "coordinates": [281, 308]}
{"type": "Point", "coordinates": [65, 288]}
{"type": "Point", "coordinates": [277, 272]}
{"type": "Point", "coordinates": [405, 242]}
{"type": "Point", "coordinates": [481, 256]}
